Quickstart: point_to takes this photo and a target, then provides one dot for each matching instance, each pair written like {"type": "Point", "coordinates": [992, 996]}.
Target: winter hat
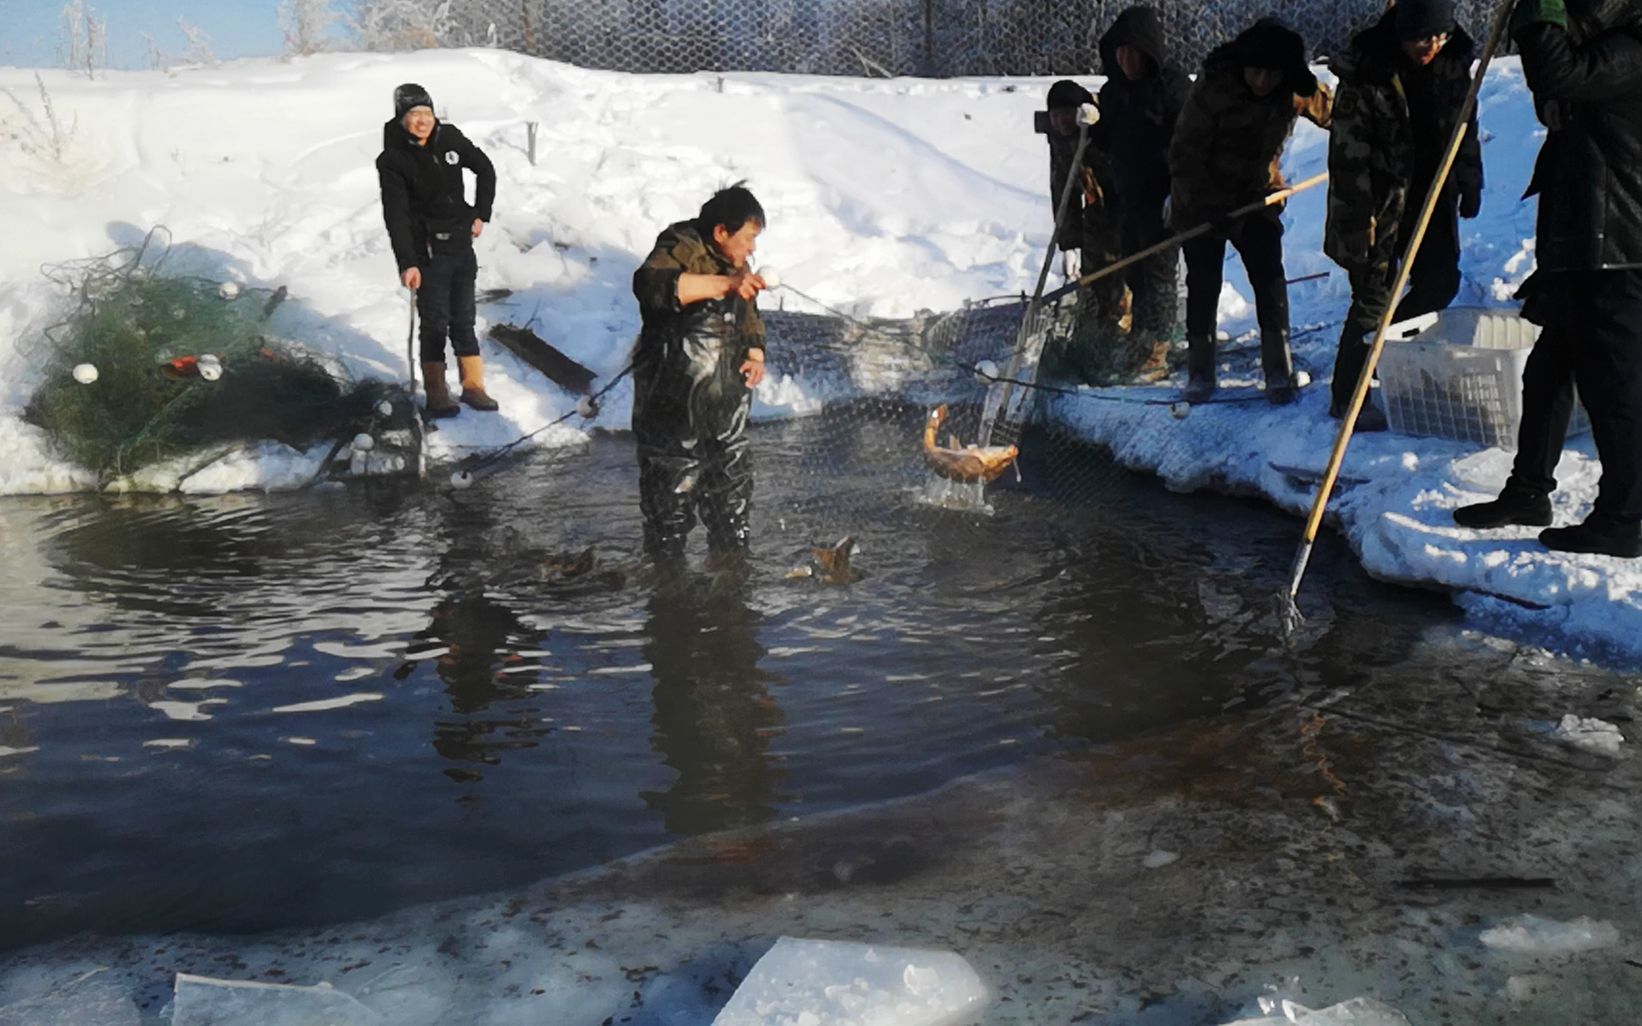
{"type": "Point", "coordinates": [1139, 27]}
{"type": "Point", "coordinates": [1067, 93]}
{"type": "Point", "coordinates": [1270, 44]}
{"type": "Point", "coordinates": [408, 96]}
{"type": "Point", "coordinates": [1421, 19]}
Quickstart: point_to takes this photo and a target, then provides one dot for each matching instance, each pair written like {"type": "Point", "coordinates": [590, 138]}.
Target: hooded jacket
{"type": "Point", "coordinates": [1229, 142]}
{"type": "Point", "coordinates": [1587, 86]}
{"type": "Point", "coordinates": [1137, 119]}
{"type": "Point", "coordinates": [1371, 151]}
{"type": "Point", "coordinates": [423, 193]}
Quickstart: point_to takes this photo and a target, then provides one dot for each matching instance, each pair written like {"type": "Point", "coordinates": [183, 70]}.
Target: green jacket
{"type": "Point", "coordinates": [1371, 151]}
{"type": "Point", "coordinates": [681, 249]}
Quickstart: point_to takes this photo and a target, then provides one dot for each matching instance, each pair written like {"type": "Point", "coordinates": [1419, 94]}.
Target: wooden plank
{"type": "Point", "coordinates": [532, 349]}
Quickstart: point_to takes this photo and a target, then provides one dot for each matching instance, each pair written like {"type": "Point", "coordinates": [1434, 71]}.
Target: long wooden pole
{"type": "Point", "coordinates": [1348, 423]}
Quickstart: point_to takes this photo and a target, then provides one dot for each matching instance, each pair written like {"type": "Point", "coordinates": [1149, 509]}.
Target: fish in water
{"type": "Point", "coordinates": [957, 462]}
{"type": "Point", "coordinates": [830, 564]}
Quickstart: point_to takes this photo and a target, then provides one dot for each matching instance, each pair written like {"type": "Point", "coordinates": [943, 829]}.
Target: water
{"type": "Point", "coordinates": [249, 712]}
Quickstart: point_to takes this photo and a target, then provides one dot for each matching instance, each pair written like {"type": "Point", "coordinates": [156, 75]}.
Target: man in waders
{"type": "Point", "coordinates": [699, 356]}
{"type": "Point", "coordinates": [432, 228]}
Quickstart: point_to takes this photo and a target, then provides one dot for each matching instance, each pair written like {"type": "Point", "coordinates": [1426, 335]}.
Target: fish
{"type": "Point", "coordinates": [830, 564]}
{"type": "Point", "coordinates": [957, 462]}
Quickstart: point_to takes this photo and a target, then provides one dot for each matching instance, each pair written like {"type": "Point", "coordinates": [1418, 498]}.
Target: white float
{"type": "Point", "coordinates": [838, 983]}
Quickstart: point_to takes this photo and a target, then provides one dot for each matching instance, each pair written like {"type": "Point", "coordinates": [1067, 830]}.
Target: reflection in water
{"type": "Point", "coordinates": [714, 715]}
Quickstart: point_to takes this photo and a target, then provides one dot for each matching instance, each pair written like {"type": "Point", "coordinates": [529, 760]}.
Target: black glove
{"type": "Point", "coordinates": [1470, 203]}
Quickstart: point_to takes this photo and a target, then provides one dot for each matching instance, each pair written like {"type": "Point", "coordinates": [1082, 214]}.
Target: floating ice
{"type": "Point", "coordinates": [363, 442]}
{"type": "Point", "coordinates": [202, 1001]}
{"type": "Point", "coordinates": [1356, 1012]}
{"type": "Point", "coordinates": [228, 290]}
{"type": "Point", "coordinates": [1592, 735]}
{"type": "Point", "coordinates": [384, 409]}
{"type": "Point", "coordinates": [89, 998]}
{"type": "Point", "coordinates": [85, 373]}
{"type": "Point", "coordinates": [1529, 934]}
{"type": "Point", "coordinates": [1158, 859]}
{"type": "Point", "coordinates": [836, 983]}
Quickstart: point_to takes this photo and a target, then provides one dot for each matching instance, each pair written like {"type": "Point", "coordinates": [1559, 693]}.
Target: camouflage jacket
{"type": "Point", "coordinates": [682, 250]}
{"type": "Point", "coordinates": [1371, 152]}
{"type": "Point", "coordinates": [1228, 144]}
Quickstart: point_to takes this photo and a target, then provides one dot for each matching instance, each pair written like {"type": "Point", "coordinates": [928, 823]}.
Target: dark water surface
{"type": "Point", "coordinates": [164, 764]}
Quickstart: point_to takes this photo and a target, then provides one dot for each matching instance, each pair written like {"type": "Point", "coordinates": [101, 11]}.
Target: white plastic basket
{"type": "Point", "coordinates": [1458, 374]}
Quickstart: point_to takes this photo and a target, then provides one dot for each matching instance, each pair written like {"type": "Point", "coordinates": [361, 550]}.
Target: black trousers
{"type": "Point", "coordinates": [1592, 338]}
{"type": "Point", "coordinates": [690, 409]}
{"type": "Point", "coordinates": [1433, 282]}
{"type": "Point", "coordinates": [1259, 241]}
{"type": "Point", "coordinates": [445, 302]}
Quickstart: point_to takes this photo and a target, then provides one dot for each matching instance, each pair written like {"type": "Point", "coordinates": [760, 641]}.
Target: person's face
{"type": "Point", "coordinates": [1135, 64]}
{"type": "Point", "coordinates": [1063, 121]}
{"type": "Point", "coordinates": [418, 121]}
{"type": "Point", "coordinates": [738, 246]}
{"type": "Point", "coordinates": [1424, 51]}
{"type": "Point", "coordinates": [1262, 82]}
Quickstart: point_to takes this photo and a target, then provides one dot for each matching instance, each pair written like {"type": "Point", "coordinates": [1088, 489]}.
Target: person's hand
{"type": "Point", "coordinates": [1088, 114]}
{"type": "Point", "coordinates": [478, 227]}
{"type": "Point", "coordinates": [411, 278]}
{"type": "Point", "coordinates": [743, 283]}
{"type": "Point", "coordinates": [1470, 203]}
{"type": "Point", "coordinates": [752, 368]}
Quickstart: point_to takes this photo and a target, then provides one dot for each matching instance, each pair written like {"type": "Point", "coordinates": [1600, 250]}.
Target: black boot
{"type": "Point", "coordinates": [1517, 504]}
{"type": "Point", "coordinates": [1200, 368]}
{"type": "Point", "coordinates": [1600, 535]}
{"type": "Point", "coordinates": [1278, 365]}
{"type": "Point", "coordinates": [1369, 418]}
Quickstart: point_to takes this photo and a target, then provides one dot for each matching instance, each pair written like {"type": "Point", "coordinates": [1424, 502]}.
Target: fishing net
{"type": "Point", "coordinates": [148, 366]}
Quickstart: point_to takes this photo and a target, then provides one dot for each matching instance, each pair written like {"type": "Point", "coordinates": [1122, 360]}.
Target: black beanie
{"type": "Point", "coordinates": [1270, 44]}
{"type": "Point", "coordinates": [1421, 19]}
{"type": "Point", "coordinates": [410, 95]}
{"type": "Point", "coordinates": [1067, 93]}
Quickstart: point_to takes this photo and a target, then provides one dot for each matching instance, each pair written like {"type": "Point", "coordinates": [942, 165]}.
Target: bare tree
{"type": "Point", "coordinates": [199, 45]}
{"type": "Point", "coordinates": [403, 24]}
{"type": "Point", "coordinates": [304, 23]}
{"type": "Point", "coordinates": [83, 38]}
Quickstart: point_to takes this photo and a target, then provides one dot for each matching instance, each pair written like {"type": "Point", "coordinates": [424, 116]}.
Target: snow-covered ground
{"type": "Point", "coordinates": [884, 197]}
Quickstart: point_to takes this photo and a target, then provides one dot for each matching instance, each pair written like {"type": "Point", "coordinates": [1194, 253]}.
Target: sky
{"type": "Point", "coordinates": [234, 28]}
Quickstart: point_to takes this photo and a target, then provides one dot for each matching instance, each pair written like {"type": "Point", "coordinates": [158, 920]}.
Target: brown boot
{"type": "Point", "coordinates": [473, 384]}
{"type": "Point", "coordinates": [439, 402]}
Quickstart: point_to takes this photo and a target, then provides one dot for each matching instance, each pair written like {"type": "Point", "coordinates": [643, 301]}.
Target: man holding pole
{"type": "Point", "coordinates": [1583, 62]}
{"type": "Point", "coordinates": [1401, 83]}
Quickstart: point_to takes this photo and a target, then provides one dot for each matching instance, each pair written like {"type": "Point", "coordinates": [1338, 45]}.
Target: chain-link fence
{"type": "Point", "coordinates": [935, 38]}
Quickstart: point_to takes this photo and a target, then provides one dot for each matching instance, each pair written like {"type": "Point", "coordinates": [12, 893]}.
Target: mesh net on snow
{"type": "Point", "coordinates": [148, 366]}
{"type": "Point", "coordinates": [936, 38]}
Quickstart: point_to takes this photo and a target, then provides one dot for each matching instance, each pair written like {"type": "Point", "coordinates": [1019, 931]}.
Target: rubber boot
{"type": "Point", "coordinates": [439, 403]}
{"type": "Point", "coordinates": [1517, 504]}
{"type": "Point", "coordinates": [473, 384]}
{"type": "Point", "coordinates": [1278, 365]}
{"type": "Point", "coordinates": [1200, 369]}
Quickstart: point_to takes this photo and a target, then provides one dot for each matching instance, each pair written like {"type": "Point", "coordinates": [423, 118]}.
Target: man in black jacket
{"type": "Point", "coordinates": [432, 228]}
{"type": "Point", "coordinates": [1583, 62]}
{"type": "Point", "coordinates": [699, 356]}
{"type": "Point", "coordinates": [1139, 105]}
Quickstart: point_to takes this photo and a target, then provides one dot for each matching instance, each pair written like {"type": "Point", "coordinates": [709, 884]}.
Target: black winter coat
{"type": "Point", "coordinates": [423, 191]}
{"type": "Point", "coordinates": [1588, 91]}
{"type": "Point", "coordinates": [1137, 119]}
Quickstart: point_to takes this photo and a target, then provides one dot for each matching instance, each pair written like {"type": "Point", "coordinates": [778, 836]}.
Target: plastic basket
{"type": "Point", "coordinates": [1458, 374]}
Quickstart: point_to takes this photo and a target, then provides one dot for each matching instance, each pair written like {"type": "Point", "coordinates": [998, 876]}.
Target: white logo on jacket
{"type": "Point", "coordinates": [452, 157]}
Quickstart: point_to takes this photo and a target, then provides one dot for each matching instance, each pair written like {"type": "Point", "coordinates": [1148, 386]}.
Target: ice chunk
{"type": "Point", "coordinates": [1530, 934]}
{"type": "Point", "coordinates": [90, 998]}
{"type": "Point", "coordinates": [836, 983]}
{"type": "Point", "coordinates": [1360, 1011]}
{"type": "Point", "coordinates": [202, 1001]}
{"type": "Point", "coordinates": [1592, 735]}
